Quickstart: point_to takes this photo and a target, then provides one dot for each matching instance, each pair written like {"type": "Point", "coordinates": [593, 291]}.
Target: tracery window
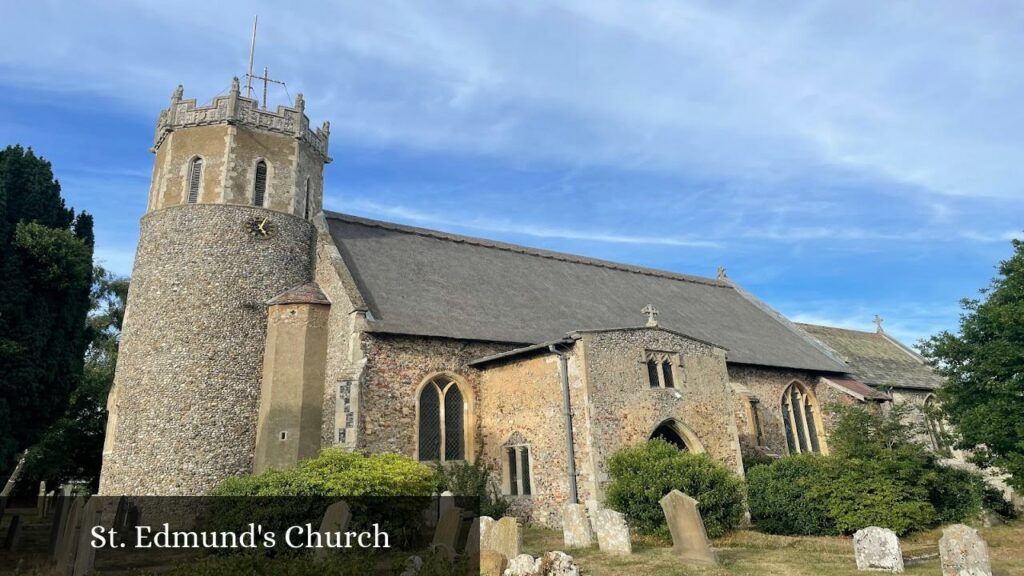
{"type": "Point", "coordinates": [442, 421]}
{"type": "Point", "coordinates": [195, 179]}
{"type": "Point", "coordinates": [661, 368]}
{"type": "Point", "coordinates": [259, 186]}
{"type": "Point", "coordinates": [800, 416]}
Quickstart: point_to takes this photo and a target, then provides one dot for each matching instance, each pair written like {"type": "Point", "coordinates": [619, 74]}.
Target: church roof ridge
{"type": "Point", "coordinates": [527, 250]}
{"type": "Point", "coordinates": [836, 328]}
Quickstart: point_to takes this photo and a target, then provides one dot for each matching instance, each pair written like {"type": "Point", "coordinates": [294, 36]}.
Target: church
{"type": "Point", "coordinates": [261, 328]}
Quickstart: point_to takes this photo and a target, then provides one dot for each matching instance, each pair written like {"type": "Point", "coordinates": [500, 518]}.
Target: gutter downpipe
{"type": "Point", "coordinates": [570, 451]}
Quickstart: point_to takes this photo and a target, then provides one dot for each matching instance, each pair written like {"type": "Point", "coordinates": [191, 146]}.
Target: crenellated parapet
{"type": "Point", "coordinates": [235, 109]}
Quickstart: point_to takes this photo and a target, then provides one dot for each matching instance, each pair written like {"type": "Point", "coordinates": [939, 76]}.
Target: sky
{"type": "Point", "coordinates": [840, 159]}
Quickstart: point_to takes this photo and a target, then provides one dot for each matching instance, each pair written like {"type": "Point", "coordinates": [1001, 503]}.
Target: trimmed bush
{"type": "Point", "coordinates": [956, 494]}
{"type": "Point", "coordinates": [465, 479]}
{"type": "Point", "coordinates": [780, 496]}
{"type": "Point", "coordinates": [642, 475]}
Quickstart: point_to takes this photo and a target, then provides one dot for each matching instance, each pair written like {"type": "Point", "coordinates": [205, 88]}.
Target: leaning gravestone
{"type": "Point", "coordinates": [85, 556]}
{"type": "Point", "coordinates": [473, 538]}
{"type": "Point", "coordinates": [689, 539]}
{"type": "Point", "coordinates": [522, 565]}
{"type": "Point", "coordinates": [877, 549]}
{"type": "Point", "coordinates": [492, 563]}
{"type": "Point", "coordinates": [336, 519]}
{"type": "Point", "coordinates": [486, 523]}
{"type": "Point", "coordinates": [505, 537]}
{"type": "Point", "coordinates": [447, 531]}
{"type": "Point", "coordinates": [60, 517]}
{"type": "Point", "coordinates": [963, 552]}
{"type": "Point", "coordinates": [612, 532]}
{"type": "Point", "coordinates": [576, 530]}
{"type": "Point", "coordinates": [67, 545]}
{"type": "Point", "coordinates": [559, 564]}
{"type": "Point", "coordinates": [41, 499]}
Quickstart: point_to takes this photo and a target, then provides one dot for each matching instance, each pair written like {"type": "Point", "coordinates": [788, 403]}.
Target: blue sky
{"type": "Point", "coordinates": [840, 159]}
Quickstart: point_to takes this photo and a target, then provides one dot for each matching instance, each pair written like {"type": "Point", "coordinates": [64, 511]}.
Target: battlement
{"type": "Point", "coordinates": [238, 110]}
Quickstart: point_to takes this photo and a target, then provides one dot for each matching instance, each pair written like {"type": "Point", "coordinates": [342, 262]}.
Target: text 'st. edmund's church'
{"type": "Point", "coordinates": [261, 328]}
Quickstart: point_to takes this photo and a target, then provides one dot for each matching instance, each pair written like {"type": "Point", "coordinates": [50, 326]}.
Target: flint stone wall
{"type": "Point", "coordinates": [186, 390]}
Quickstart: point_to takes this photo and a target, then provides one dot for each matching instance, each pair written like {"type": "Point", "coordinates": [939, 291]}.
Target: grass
{"type": "Point", "coordinates": [750, 553]}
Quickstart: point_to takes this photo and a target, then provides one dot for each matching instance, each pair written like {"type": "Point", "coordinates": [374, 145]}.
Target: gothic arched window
{"type": "Point", "coordinates": [442, 421]}
{"type": "Point", "coordinates": [259, 187]}
{"type": "Point", "coordinates": [195, 179]}
{"type": "Point", "coordinates": [800, 416]}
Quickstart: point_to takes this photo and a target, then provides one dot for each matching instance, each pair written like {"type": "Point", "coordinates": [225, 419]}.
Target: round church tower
{"type": "Point", "coordinates": [227, 229]}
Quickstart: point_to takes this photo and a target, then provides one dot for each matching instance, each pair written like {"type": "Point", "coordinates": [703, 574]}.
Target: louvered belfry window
{"type": "Point", "coordinates": [442, 431]}
{"type": "Point", "coordinates": [195, 178]}
{"type": "Point", "coordinates": [306, 203]}
{"type": "Point", "coordinates": [260, 184]}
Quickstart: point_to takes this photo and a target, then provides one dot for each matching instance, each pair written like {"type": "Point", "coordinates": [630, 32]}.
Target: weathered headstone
{"type": "Point", "coordinates": [689, 539]}
{"type": "Point", "coordinates": [336, 519]}
{"type": "Point", "coordinates": [68, 543]}
{"type": "Point", "coordinates": [61, 507]}
{"type": "Point", "coordinates": [445, 503]}
{"type": "Point", "coordinates": [486, 524]}
{"type": "Point", "coordinates": [522, 565]}
{"type": "Point", "coordinates": [559, 564]}
{"type": "Point", "coordinates": [504, 536]}
{"type": "Point", "coordinates": [492, 563]}
{"type": "Point", "coordinates": [576, 530]}
{"type": "Point", "coordinates": [473, 538]}
{"type": "Point", "coordinates": [447, 531]}
{"type": "Point", "coordinates": [963, 552]}
{"type": "Point", "coordinates": [13, 533]}
{"type": "Point", "coordinates": [85, 556]}
{"type": "Point", "coordinates": [41, 499]}
{"type": "Point", "coordinates": [413, 565]}
{"type": "Point", "coordinates": [877, 549]}
{"type": "Point", "coordinates": [612, 532]}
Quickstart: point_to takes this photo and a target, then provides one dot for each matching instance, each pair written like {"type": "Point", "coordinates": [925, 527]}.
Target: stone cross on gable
{"type": "Point", "coordinates": [878, 324]}
{"type": "Point", "coordinates": [652, 315]}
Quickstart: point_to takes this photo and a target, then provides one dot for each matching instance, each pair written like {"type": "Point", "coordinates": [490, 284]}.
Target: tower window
{"type": "Point", "coordinates": [260, 184]}
{"type": "Point", "coordinates": [800, 416]}
{"type": "Point", "coordinates": [195, 179]}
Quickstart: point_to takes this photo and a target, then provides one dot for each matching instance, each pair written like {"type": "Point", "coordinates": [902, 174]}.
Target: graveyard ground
{"type": "Point", "coordinates": [750, 553]}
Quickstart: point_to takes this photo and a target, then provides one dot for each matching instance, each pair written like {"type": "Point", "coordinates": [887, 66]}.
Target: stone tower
{"type": "Point", "coordinates": [227, 229]}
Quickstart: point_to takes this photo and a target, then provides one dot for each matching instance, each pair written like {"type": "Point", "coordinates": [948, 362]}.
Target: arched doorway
{"type": "Point", "coordinates": [678, 435]}
{"type": "Point", "coordinates": [667, 433]}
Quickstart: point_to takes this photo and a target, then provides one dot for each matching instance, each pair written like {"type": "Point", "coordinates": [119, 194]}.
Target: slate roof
{"type": "Point", "coordinates": [858, 388]}
{"type": "Point", "coordinates": [424, 282]}
{"type": "Point", "coordinates": [877, 359]}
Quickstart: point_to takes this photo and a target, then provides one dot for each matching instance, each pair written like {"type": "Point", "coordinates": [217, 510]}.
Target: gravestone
{"type": "Point", "coordinates": [689, 539]}
{"type": "Point", "coordinates": [963, 552]}
{"type": "Point", "coordinates": [877, 549]}
{"type": "Point", "coordinates": [13, 533]}
{"type": "Point", "coordinates": [60, 517]}
{"type": "Point", "coordinates": [612, 532]}
{"type": "Point", "coordinates": [41, 499]}
{"type": "Point", "coordinates": [336, 519]}
{"type": "Point", "coordinates": [576, 530]}
{"type": "Point", "coordinates": [447, 531]}
{"type": "Point", "coordinates": [473, 538]}
{"type": "Point", "coordinates": [68, 546]}
{"type": "Point", "coordinates": [505, 537]}
{"type": "Point", "coordinates": [445, 503]}
{"type": "Point", "coordinates": [492, 563]}
{"type": "Point", "coordinates": [85, 556]}
{"type": "Point", "coordinates": [486, 524]}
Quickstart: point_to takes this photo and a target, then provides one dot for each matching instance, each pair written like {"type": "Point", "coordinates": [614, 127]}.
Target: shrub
{"type": "Point", "coordinates": [756, 459]}
{"type": "Point", "coordinates": [780, 496]}
{"type": "Point", "coordinates": [642, 475]}
{"type": "Point", "coordinates": [994, 500]}
{"type": "Point", "coordinates": [956, 494]}
{"type": "Point", "coordinates": [474, 480]}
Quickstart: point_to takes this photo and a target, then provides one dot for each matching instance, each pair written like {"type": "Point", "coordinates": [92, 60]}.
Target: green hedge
{"type": "Point", "coordinates": [642, 475]}
{"type": "Point", "coordinates": [779, 495]}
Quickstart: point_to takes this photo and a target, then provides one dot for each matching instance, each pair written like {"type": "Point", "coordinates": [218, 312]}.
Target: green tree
{"type": "Point", "coordinates": [983, 397]}
{"type": "Point", "coordinates": [45, 277]}
{"type": "Point", "coordinates": [72, 447]}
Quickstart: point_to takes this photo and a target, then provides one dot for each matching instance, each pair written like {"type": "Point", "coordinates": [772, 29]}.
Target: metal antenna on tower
{"type": "Point", "coordinates": [252, 52]}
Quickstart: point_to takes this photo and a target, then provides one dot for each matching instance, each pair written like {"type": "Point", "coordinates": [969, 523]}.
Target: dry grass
{"type": "Point", "coordinates": [749, 553]}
